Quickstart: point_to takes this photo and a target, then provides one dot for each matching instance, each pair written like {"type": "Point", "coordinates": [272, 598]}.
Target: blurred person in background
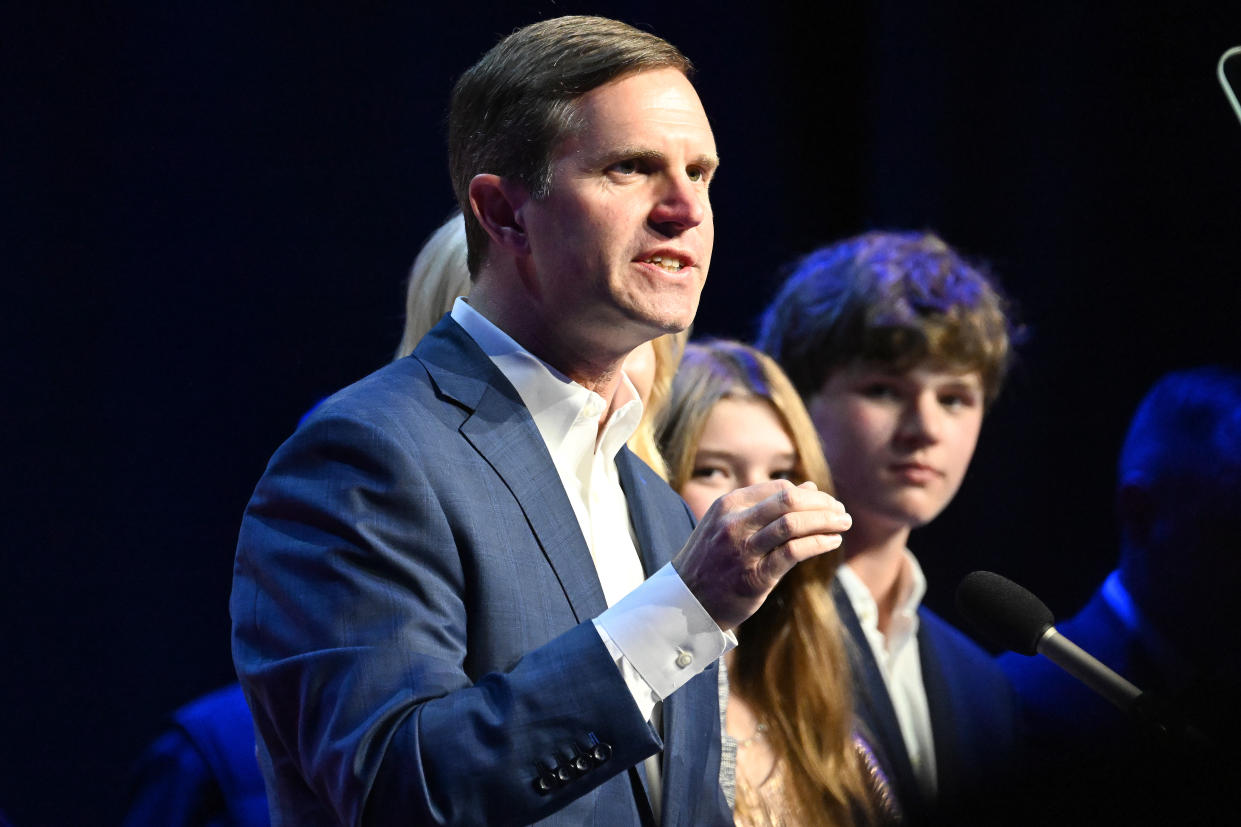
{"type": "Point", "coordinates": [1165, 619]}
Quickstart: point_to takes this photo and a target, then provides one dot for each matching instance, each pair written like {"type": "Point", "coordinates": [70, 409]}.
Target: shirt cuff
{"type": "Point", "coordinates": [660, 637]}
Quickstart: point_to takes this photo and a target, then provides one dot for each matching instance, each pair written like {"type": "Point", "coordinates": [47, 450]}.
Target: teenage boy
{"type": "Point", "coordinates": [898, 347]}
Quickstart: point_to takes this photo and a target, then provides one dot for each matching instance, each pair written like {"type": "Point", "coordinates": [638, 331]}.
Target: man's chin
{"type": "Point", "coordinates": [656, 325]}
{"type": "Point", "coordinates": [676, 321]}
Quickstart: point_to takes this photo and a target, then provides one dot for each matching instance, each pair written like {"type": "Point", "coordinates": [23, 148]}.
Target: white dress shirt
{"type": "Point", "coordinates": [657, 631]}
{"type": "Point", "coordinates": [899, 661]}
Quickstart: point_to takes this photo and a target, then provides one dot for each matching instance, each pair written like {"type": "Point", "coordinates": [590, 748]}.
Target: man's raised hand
{"type": "Point", "coordinates": [752, 537]}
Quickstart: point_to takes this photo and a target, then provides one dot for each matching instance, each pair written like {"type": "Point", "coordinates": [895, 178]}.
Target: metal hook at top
{"type": "Point", "coordinates": [1223, 79]}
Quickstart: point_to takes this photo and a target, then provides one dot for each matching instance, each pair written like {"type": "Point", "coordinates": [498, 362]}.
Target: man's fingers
{"type": "Point", "coordinates": [775, 525]}
{"type": "Point", "coordinates": [769, 500]}
{"type": "Point", "coordinates": [782, 558]}
{"type": "Point", "coordinates": [750, 538]}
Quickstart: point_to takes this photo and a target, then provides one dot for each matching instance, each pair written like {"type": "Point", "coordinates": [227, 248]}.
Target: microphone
{"type": "Point", "coordinates": [1011, 617]}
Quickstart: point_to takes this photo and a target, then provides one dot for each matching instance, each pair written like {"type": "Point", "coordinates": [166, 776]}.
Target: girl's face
{"type": "Point", "coordinates": [743, 443]}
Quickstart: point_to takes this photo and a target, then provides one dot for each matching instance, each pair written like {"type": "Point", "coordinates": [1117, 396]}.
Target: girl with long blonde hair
{"type": "Point", "coordinates": [733, 419]}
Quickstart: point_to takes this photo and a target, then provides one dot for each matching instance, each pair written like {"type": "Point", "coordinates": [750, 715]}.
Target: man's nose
{"type": "Point", "coordinates": [682, 204]}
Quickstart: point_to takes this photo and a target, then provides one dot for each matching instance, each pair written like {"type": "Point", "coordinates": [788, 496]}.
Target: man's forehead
{"type": "Point", "coordinates": [636, 113]}
{"type": "Point", "coordinates": [656, 90]}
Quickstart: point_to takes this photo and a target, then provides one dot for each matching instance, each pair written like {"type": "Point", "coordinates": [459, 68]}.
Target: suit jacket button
{"type": "Point", "coordinates": [601, 752]}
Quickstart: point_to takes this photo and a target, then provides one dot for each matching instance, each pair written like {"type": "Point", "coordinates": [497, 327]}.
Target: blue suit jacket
{"type": "Point", "coordinates": [973, 719]}
{"type": "Point", "coordinates": [202, 772]}
{"type": "Point", "coordinates": [1062, 711]}
{"type": "Point", "coordinates": [1089, 763]}
{"type": "Point", "coordinates": [411, 617]}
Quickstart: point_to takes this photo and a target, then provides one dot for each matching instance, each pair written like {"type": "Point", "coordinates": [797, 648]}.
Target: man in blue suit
{"type": "Point", "coordinates": [1165, 619]}
{"type": "Point", "coordinates": [899, 346]}
{"type": "Point", "coordinates": [452, 601]}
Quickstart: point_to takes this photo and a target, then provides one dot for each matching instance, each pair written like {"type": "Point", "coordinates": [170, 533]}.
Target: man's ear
{"type": "Point", "coordinates": [497, 202]}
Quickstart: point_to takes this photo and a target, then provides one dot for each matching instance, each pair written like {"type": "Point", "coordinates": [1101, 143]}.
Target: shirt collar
{"type": "Point", "coordinates": [1118, 597]}
{"type": "Point", "coordinates": [1141, 628]}
{"type": "Point", "coordinates": [560, 407]}
{"type": "Point", "coordinates": [912, 585]}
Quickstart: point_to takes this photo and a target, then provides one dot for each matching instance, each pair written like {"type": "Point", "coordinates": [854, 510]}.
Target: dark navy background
{"type": "Point", "coordinates": [209, 210]}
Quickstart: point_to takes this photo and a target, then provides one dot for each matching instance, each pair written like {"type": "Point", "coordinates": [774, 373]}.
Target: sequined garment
{"type": "Point", "coordinates": [768, 805]}
{"type": "Point", "coordinates": [886, 811]}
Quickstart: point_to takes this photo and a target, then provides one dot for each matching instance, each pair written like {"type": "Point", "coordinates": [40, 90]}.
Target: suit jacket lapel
{"type": "Point", "coordinates": [652, 535]}
{"type": "Point", "coordinates": [939, 696]}
{"type": "Point", "coordinates": [690, 716]}
{"type": "Point", "coordinates": [874, 705]}
{"type": "Point", "coordinates": [502, 431]}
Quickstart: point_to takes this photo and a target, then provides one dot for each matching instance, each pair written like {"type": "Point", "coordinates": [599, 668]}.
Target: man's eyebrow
{"type": "Point", "coordinates": [611, 156]}
{"type": "Point", "coordinates": [711, 162]}
{"type": "Point", "coordinates": [632, 153]}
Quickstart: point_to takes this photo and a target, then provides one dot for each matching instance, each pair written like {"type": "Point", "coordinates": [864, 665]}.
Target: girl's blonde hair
{"type": "Point", "coordinates": [791, 665]}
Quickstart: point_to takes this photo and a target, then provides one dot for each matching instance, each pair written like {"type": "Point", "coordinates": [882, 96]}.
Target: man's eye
{"type": "Point", "coordinates": [695, 174]}
{"type": "Point", "coordinates": [628, 167]}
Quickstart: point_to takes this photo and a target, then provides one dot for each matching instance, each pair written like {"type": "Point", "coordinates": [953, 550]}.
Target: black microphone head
{"type": "Point", "coordinates": [1004, 612]}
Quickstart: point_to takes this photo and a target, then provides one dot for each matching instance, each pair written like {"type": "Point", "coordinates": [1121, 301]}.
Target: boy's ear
{"type": "Point", "coordinates": [497, 204]}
